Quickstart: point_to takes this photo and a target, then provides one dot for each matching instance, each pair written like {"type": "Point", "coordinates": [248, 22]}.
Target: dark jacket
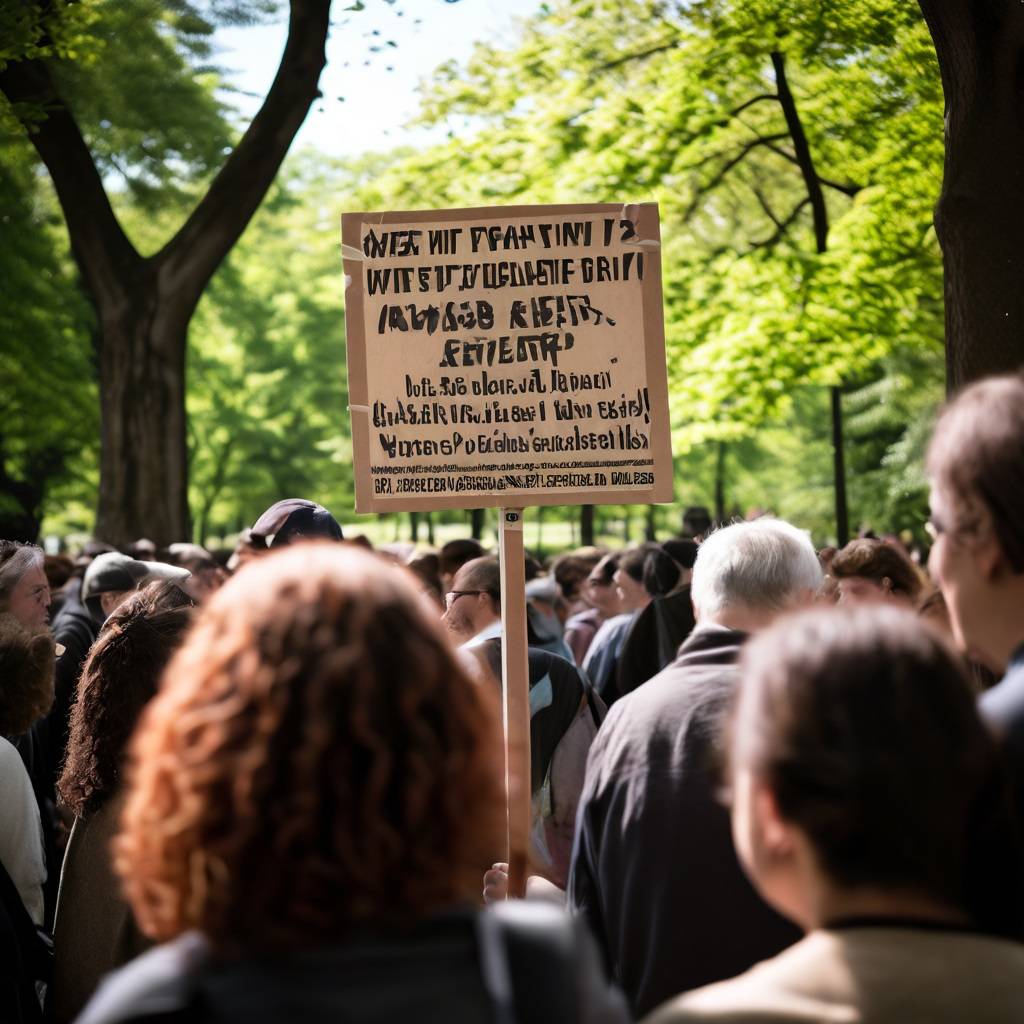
{"type": "Point", "coordinates": [654, 639]}
{"type": "Point", "coordinates": [444, 971]}
{"type": "Point", "coordinates": [654, 871]}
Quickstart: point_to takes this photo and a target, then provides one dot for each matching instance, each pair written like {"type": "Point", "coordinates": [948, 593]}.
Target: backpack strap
{"type": "Point", "coordinates": [528, 960]}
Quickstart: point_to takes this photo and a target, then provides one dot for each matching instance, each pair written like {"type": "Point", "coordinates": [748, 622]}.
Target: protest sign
{"type": "Point", "coordinates": [506, 357]}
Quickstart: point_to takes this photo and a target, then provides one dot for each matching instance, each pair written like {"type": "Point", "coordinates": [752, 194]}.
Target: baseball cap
{"type": "Point", "coordinates": [293, 519]}
{"type": "Point", "coordinates": [113, 571]}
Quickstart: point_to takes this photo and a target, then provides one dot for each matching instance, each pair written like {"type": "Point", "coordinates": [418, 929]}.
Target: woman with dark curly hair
{"type": "Point", "coordinates": [94, 930]}
{"type": "Point", "coordinates": [315, 793]}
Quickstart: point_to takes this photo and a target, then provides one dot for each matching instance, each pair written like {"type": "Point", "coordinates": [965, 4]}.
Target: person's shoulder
{"type": "Point", "coordinates": [779, 990]}
{"type": "Point", "coordinates": [156, 985]}
{"type": "Point", "coordinates": [1003, 705]}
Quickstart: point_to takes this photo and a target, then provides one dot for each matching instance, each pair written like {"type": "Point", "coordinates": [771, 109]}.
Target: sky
{"type": "Point", "coordinates": [375, 103]}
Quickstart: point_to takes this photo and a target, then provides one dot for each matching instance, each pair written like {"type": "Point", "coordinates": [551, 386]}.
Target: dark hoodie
{"type": "Point", "coordinates": [654, 870]}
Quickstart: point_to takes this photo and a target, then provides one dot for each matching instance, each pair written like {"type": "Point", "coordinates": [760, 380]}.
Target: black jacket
{"type": "Point", "coordinates": [654, 871]}
{"type": "Point", "coordinates": [449, 970]}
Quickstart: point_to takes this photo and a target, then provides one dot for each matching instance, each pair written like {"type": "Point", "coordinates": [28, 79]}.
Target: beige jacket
{"type": "Point", "coordinates": [94, 931]}
{"type": "Point", "coordinates": [868, 975]}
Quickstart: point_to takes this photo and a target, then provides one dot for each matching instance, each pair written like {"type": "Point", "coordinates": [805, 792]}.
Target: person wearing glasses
{"type": "Point", "coordinates": [976, 471]}
{"type": "Point", "coordinates": [564, 712]}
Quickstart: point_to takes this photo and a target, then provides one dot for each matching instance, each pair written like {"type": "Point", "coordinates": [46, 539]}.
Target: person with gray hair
{"type": "Point", "coordinates": [654, 871]}
{"type": "Point", "coordinates": [24, 590]}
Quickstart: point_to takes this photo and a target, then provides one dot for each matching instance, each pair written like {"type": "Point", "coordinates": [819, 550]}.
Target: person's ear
{"type": "Point", "coordinates": [986, 550]}
{"type": "Point", "coordinates": [776, 833]}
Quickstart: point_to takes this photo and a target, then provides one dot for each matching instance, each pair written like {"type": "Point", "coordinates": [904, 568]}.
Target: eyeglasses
{"type": "Point", "coordinates": [453, 595]}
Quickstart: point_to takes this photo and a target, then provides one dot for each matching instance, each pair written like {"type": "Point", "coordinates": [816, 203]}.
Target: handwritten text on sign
{"type": "Point", "coordinates": [506, 357]}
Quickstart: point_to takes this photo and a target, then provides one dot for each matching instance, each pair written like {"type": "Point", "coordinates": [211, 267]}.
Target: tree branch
{"type": "Point", "coordinates": [769, 213]}
{"type": "Point", "coordinates": [105, 257]}
{"type": "Point", "coordinates": [802, 152]}
{"type": "Point", "coordinates": [781, 228]}
{"type": "Point", "coordinates": [736, 111]}
{"type": "Point", "coordinates": [641, 55]}
{"type": "Point", "coordinates": [190, 258]}
{"type": "Point", "coordinates": [847, 190]}
{"type": "Point", "coordinates": [719, 175]}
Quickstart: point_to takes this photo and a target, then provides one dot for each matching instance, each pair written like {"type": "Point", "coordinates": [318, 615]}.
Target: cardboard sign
{"type": "Point", "coordinates": [507, 357]}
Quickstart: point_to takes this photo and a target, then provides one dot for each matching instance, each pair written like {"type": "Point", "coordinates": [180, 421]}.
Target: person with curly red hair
{"type": "Point", "coordinates": [314, 794]}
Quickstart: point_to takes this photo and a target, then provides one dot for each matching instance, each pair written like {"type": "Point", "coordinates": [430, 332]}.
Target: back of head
{"type": "Point", "coordinates": [764, 565]}
{"type": "Point", "coordinates": [850, 717]}
{"type": "Point", "coordinates": [878, 561]}
{"type": "Point", "coordinates": [456, 553]}
{"type": "Point", "coordinates": [118, 679]}
{"type": "Point", "coordinates": [483, 574]}
{"type": "Point", "coordinates": [316, 760]}
{"type": "Point", "coordinates": [291, 520]}
{"type": "Point", "coordinates": [977, 455]}
{"type": "Point", "coordinates": [652, 566]}
{"type": "Point", "coordinates": [570, 570]}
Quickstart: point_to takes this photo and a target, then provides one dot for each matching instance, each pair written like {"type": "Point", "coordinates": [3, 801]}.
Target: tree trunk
{"type": "Point", "coordinates": [839, 469]}
{"type": "Point", "coordinates": [143, 457]}
{"type": "Point", "coordinates": [651, 524]}
{"type": "Point", "coordinates": [979, 219]}
{"type": "Point", "coordinates": [414, 526]}
{"type": "Point", "coordinates": [586, 526]}
{"type": "Point", "coordinates": [720, 483]}
{"type": "Point", "coordinates": [819, 211]}
{"type": "Point", "coordinates": [476, 523]}
{"type": "Point", "coordinates": [143, 305]}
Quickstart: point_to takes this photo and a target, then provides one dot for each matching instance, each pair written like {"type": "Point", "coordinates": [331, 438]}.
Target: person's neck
{"type": "Point", "coordinates": [831, 903]}
{"type": "Point", "coordinates": [739, 618]}
{"type": "Point", "coordinates": [484, 623]}
{"type": "Point", "coordinates": [1004, 632]}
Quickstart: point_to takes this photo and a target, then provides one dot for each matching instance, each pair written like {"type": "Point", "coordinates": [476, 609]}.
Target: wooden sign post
{"type": "Point", "coordinates": [515, 704]}
{"type": "Point", "coordinates": [506, 357]}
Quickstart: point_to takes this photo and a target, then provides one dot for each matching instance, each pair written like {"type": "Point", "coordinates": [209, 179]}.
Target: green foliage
{"type": "Point", "coordinates": [268, 396]}
{"type": "Point", "coordinates": [49, 423]}
{"type": "Point", "coordinates": [642, 99]}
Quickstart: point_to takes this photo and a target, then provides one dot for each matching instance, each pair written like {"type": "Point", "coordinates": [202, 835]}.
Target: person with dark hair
{"type": "Point", "coordinates": [94, 930]}
{"type": "Point", "coordinates": [598, 590]}
{"type": "Point", "coordinates": [454, 555]}
{"type": "Point", "coordinates": [564, 712]}
{"type": "Point", "coordinates": [976, 469]}
{"type": "Point", "coordinates": [873, 570]}
{"type": "Point", "coordinates": [314, 793]}
{"type": "Point", "coordinates": [291, 520]}
{"type": "Point", "coordinates": [654, 638]}
{"type": "Point", "coordinates": [59, 570]}
{"type": "Point", "coordinates": [654, 871]}
{"type": "Point", "coordinates": [900, 862]}
{"type": "Point", "coordinates": [207, 573]}
{"type": "Point", "coordinates": [643, 573]}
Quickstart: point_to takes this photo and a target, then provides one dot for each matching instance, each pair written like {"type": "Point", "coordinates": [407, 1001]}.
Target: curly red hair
{"type": "Point", "coordinates": [317, 758]}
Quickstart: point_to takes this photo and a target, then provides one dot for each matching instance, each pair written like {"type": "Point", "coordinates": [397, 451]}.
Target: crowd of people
{"type": "Point", "coordinates": [768, 783]}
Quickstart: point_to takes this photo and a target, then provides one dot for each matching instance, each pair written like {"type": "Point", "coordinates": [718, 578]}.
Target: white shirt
{"type": "Point", "coordinates": [21, 837]}
{"type": "Point", "coordinates": [485, 634]}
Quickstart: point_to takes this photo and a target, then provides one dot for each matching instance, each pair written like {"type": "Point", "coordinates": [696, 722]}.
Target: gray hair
{"type": "Point", "coordinates": [762, 565]}
{"type": "Point", "coordinates": [16, 559]}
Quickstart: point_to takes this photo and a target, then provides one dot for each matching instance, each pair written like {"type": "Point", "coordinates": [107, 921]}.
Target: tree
{"type": "Point", "coordinates": [980, 214]}
{"type": "Point", "coordinates": [791, 147]}
{"type": "Point", "coordinates": [143, 304]}
{"type": "Point", "coordinates": [48, 425]}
